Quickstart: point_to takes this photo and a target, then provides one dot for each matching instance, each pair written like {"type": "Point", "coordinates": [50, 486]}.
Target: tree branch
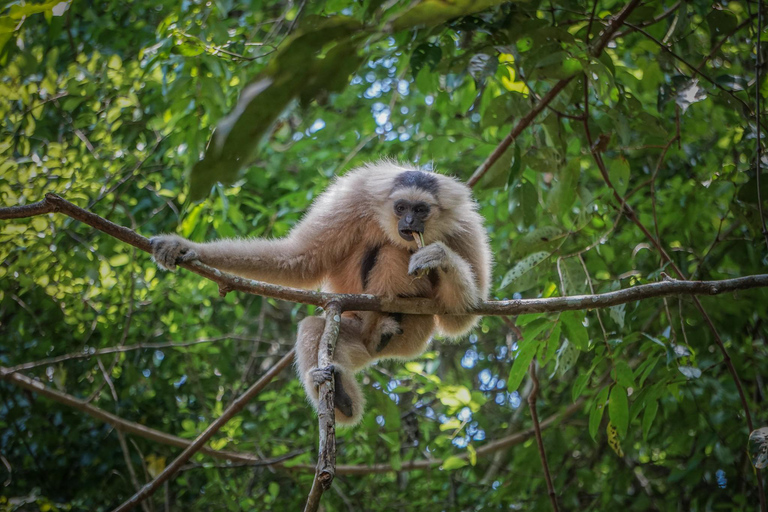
{"type": "Point", "coordinates": [278, 462]}
{"type": "Point", "coordinates": [206, 435]}
{"type": "Point", "coordinates": [521, 125]}
{"type": "Point", "coordinates": [366, 302]}
{"type": "Point", "coordinates": [127, 348]}
{"type": "Point", "coordinates": [119, 423]}
{"type": "Point", "coordinates": [539, 440]}
{"type": "Point", "coordinates": [326, 458]}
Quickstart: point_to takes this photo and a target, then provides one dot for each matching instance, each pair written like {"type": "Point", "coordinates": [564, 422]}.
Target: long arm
{"type": "Point", "coordinates": [302, 259]}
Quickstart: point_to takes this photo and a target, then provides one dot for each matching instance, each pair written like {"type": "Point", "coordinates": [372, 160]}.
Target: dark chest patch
{"type": "Point", "coordinates": [367, 264]}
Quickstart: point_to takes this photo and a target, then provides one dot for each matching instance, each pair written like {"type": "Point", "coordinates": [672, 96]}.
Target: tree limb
{"type": "Point", "coordinates": [326, 458]}
{"type": "Point", "coordinates": [526, 120]}
{"type": "Point", "coordinates": [366, 302]}
{"type": "Point", "coordinates": [119, 423]}
{"type": "Point", "coordinates": [206, 435]}
{"type": "Point", "coordinates": [278, 462]}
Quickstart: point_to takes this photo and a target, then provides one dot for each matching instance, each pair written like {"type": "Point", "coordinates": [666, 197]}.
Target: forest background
{"type": "Point", "coordinates": [609, 145]}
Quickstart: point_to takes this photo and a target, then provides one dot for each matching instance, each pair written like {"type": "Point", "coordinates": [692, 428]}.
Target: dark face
{"type": "Point", "coordinates": [412, 215]}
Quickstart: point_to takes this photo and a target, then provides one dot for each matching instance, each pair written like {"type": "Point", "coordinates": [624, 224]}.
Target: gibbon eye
{"type": "Point", "coordinates": [399, 208]}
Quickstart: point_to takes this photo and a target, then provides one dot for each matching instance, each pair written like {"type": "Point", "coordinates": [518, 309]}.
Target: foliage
{"type": "Point", "coordinates": [111, 108]}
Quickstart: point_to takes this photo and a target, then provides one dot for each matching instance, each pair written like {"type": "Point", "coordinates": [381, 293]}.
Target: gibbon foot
{"type": "Point", "coordinates": [426, 258]}
{"type": "Point", "coordinates": [390, 327]}
{"type": "Point", "coordinates": [341, 399]}
{"type": "Point", "coordinates": [171, 250]}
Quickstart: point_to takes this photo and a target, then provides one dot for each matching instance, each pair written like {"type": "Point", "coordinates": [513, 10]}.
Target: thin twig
{"type": "Point", "coordinates": [126, 348]}
{"type": "Point", "coordinates": [693, 68]}
{"type": "Point", "coordinates": [539, 440]}
{"type": "Point", "coordinates": [526, 120]}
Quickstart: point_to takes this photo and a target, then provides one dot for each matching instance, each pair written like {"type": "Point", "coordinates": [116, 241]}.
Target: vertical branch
{"type": "Point", "coordinates": [326, 458]}
{"type": "Point", "coordinates": [537, 430]}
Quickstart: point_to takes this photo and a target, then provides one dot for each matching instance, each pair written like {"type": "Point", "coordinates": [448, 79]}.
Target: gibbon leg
{"type": "Point", "coordinates": [411, 343]}
{"type": "Point", "coordinates": [350, 356]}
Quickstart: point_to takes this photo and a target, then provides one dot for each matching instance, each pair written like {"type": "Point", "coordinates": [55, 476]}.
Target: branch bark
{"type": "Point", "coordinates": [326, 458]}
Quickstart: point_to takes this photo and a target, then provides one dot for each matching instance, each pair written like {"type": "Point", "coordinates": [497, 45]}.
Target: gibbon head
{"type": "Point", "coordinates": [414, 207]}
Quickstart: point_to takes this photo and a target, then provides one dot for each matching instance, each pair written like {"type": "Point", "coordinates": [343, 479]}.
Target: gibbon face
{"type": "Point", "coordinates": [412, 208]}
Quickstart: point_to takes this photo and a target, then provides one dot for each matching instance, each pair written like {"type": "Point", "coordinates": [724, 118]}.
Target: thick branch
{"type": "Point", "coordinates": [206, 435]}
{"type": "Point", "coordinates": [365, 302]}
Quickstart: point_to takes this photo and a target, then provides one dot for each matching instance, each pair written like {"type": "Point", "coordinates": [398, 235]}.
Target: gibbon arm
{"type": "Point", "coordinates": [302, 259]}
{"type": "Point", "coordinates": [463, 280]}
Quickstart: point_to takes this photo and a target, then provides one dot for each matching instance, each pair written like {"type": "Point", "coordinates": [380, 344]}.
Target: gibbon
{"type": "Point", "coordinates": [360, 236]}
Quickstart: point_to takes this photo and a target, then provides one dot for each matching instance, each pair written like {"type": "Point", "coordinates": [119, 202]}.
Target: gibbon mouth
{"type": "Point", "coordinates": [407, 234]}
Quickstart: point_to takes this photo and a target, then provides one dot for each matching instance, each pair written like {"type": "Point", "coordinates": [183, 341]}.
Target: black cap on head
{"type": "Point", "coordinates": [417, 179]}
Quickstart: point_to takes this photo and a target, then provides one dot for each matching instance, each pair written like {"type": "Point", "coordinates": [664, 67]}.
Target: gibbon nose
{"type": "Point", "coordinates": [409, 219]}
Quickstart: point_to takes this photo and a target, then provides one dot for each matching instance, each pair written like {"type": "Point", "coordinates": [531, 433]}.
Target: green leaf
{"type": "Point", "coordinates": [433, 12]}
{"type": "Point", "coordinates": [524, 355]}
{"type": "Point", "coordinates": [651, 407]}
{"type": "Point", "coordinates": [618, 409]}
{"type": "Point", "coordinates": [566, 358]}
{"type": "Point", "coordinates": [453, 462]}
{"type": "Point", "coordinates": [596, 414]}
{"type": "Point", "coordinates": [624, 374]}
{"type": "Point", "coordinates": [574, 277]}
{"type": "Point", "coordinates": [523, 267]}
{"type": "Point", "coordinates": [618, 171]}
{"type": "Point", "coordinates": [579, 384]}
{"type": "Point", "coordinates": [553, 343]}
{"type": "Point", "coordinates": [573, 323]}
{"type": "Point", "coordinates": [425, 54]}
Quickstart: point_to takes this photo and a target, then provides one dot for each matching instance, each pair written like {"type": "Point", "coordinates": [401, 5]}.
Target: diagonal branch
{"type": "Point", "coordinates": [119, 423]}
{"type": "Point", "coordinates": [598, 47]}
{"type": "Point", "coordinates": [252, 460]}
{"type": "Point", "coordinates": [206, 435]}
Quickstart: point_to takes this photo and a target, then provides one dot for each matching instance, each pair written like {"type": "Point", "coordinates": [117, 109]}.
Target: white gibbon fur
{"type": "Point", "coordinates": [354, 239]}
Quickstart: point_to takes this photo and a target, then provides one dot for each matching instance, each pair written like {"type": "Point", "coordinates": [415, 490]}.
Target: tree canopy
{"type": "Point", "coordinates": [610, 144]}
